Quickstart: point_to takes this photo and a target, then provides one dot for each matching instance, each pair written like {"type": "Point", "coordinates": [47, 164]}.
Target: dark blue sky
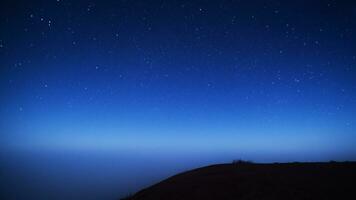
{"type": "Point", "coordinates": [187, 76]}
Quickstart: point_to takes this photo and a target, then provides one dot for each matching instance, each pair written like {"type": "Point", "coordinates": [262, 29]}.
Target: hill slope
{"type": "Point", "coordinates": [258, 181]}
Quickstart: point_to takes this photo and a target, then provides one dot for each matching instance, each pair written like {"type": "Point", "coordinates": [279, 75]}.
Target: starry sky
{"type": "Point", "coordinates": [273, 77]}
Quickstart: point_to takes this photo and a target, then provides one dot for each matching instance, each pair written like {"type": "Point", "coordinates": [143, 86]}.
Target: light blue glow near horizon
{"type": "Point", "coordinates": [63, 131]}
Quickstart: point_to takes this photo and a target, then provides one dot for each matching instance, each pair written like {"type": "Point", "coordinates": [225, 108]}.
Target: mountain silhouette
{"type": "Point", "coordinates": [249, 181]}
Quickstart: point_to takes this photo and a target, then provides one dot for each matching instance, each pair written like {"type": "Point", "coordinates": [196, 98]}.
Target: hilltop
{"type": "Point", "coordinates": [243, 180]}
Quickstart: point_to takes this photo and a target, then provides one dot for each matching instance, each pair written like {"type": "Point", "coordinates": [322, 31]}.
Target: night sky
{"type": "Point", "coordinates": [272, 77]}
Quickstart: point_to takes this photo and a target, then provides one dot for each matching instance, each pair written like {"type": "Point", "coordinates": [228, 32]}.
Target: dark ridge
{"type": "Point", "coordinates": [246, 180]}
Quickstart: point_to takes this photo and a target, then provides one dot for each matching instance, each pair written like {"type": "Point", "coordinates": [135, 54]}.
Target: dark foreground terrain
{"type": "Point", "coordinates": [241, 180]}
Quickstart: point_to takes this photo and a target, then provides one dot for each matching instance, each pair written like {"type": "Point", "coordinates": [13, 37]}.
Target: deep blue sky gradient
{"type": "Point", "coordinates": [227, 75]}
